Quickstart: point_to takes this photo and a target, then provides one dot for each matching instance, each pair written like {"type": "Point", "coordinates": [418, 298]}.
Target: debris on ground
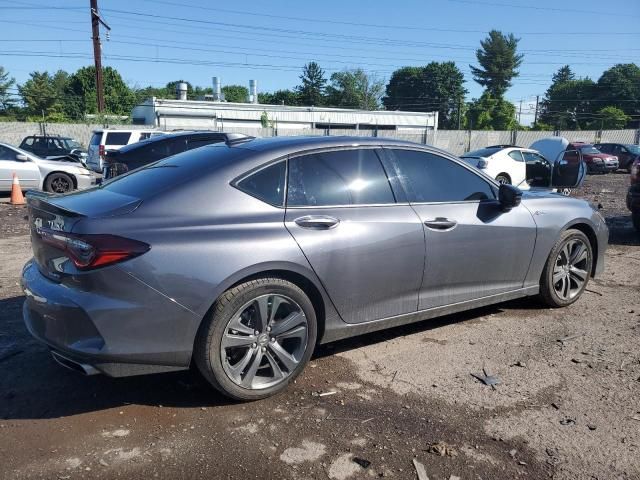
{"type": "Point", "coordinates": [361, 461]}
{"type": "Point", "coordinates": [567, 421]}
{"type": "Point", "coordinates": [323, 394]}
{"type": "Point", "coordinates": [519, 364]}
{"type": "Point", "coordinates": [441, 448]}
{"type": "Point", "coordinates": [564, 340]}
{"type": "Point", "coordinates": [490, 380]}
{"type": "Point", "coordinates": [420, 470]}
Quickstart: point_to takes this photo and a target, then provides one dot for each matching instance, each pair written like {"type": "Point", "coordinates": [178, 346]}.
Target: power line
{"type": "Point", "coordinates": [550, 9]}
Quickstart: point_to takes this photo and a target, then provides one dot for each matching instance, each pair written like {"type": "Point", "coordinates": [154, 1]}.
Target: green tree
{"type": "Point", "coordinates": [354, 89]}
{"type": "Point", "coordinates": [81, 94]}
{"type": "Point", "coordinates": [279, 97]}
{"type": "Point", "coordinates": [235, 93]}
{"type": "Point", "coordinates": [610, 118]}
{"type": "Point", "coordinates": [312, 89]}
{"type": "Point", "coordinates": [6, 82]}
{"type": "Point", "coordinates": [568, 104]}
{"type": "Point", "coordinates": [564, 74]}
{"type": "Point", "coordinates": [40, 97]}
{"type": "Point", "coordinates": [619, 87]}
{"type": "Point", "coordinates": [436, 86]}
{"type": "Point", "coordinates": [499, 62]}
{"type": "Point", "coordinates": [491, 113]}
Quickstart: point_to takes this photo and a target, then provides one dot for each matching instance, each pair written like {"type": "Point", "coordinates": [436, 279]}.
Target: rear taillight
{"type": "Point", "coordinates": [92, 251]}
{"type": "Point", "coordinates": [101, 151]}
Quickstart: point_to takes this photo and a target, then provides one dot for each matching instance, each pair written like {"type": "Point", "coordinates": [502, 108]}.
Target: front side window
{"type": "Point", "coordinates": [342, 177]}
{"type": "Point", "coordinates": [267, 184]}
{"type": "Point", "coordinates": [27, 142]}
{"type": "Point", "coordinates": [432, 178]}
{"type": "Point", "coordinates": [7, 154]}
{"type": "Point", "coordinates": [117, 138]}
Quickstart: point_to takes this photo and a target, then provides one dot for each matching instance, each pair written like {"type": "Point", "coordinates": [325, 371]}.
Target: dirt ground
{"type": "Point", "coordinates": [567, 406]}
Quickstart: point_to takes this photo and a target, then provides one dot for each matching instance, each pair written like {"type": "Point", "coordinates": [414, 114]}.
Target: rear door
{"type": "Point", "coordinates": [517, 168]}
{"type": "Point", "coordinates": [366, 248]}
{"type": "Point", "coordinates": [473, 249]}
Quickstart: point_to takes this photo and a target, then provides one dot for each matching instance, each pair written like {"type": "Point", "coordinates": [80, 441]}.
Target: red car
{"type": "Point", "coordinates": [633, 196]}
{"type": "Point", "coordinates": [595, 160]}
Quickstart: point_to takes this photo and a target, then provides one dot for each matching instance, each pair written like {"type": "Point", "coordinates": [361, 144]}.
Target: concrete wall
{"type": "Point", "coordinates": [14, 132]}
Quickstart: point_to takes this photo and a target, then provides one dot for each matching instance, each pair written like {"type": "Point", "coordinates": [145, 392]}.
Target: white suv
{"type": "Point", "coordinates": [103, 140]}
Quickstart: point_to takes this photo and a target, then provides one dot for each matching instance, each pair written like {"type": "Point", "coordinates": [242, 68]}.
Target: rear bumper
{"type": "Point", "coordinates": [135, 333]}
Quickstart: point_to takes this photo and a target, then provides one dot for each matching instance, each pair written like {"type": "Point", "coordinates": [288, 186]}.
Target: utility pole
{"type": "Point", "coordinates": [97, 51]}
{"type": "Point", "coordinates": [459, 113]}
{"type": "Point", "coordinates": [535, 116]}
{"type": "Point", "coordinates": [520, 112]}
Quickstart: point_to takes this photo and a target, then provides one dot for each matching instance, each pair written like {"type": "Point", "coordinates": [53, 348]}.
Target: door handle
{"type": "Point", "coordinates": [442, 224]}
{"type": "Point", "coordinates": [317, 222]}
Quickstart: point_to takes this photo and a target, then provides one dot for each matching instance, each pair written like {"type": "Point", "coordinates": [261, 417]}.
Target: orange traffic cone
{"type": "Point", "coordinates": [16, 192]}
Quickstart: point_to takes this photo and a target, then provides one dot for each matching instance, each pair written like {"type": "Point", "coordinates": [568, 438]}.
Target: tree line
{"type": "Point", "coordinates": [613, 101]}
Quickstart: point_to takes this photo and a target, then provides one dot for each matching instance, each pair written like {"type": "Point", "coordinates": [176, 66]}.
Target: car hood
{"type": "Point", "coordinates": [57, 164]}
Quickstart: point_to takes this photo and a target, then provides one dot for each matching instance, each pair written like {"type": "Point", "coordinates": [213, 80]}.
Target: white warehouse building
{"type": "Point", "coordinates": [227, 116]}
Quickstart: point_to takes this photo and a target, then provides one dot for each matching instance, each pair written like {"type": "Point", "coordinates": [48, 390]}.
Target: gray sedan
{"type": "Point", "coordinates": [241, 257]}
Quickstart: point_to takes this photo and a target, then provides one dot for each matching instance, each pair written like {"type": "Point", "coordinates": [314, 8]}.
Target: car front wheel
{"type": "Point", "coordinates": [566, 273]}
{"type": "Point", "coordinates": [58, 183]}
{"type": "Point", "coordinates": [503, 178]}
{"type": "Point", "coordinates": [258, 338]}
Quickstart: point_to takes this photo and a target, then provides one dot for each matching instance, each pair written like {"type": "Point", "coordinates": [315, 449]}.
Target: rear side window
{"type": "Point", "coordinates": [345, 177]}
{"type": "Point", "coordinates": [202, 141]}
{"type": "Point", "coordinates": [95, 139]}
{"type": "Point", "coordinates": [432, 178]}
{"type": "Point", "coordinates": [27, 142]}
{"type": "Point", "coordinates": [117, 138]}
{"type": "Point", "coordinates": [267, 184]}
{"type": "Point", "coordinates": [516, 155]}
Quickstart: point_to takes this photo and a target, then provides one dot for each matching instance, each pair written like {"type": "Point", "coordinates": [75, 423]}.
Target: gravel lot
{"type": "Point", "coordinates": [567, 406]}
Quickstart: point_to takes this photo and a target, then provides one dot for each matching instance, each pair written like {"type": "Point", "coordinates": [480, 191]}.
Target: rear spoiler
{"type": "Point", "coordinates": [42, 201]}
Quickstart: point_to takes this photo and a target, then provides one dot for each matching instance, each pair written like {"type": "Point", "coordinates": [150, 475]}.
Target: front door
{"type": "Point", "coordinates": [26, 170]}
{"type": "Point", "coordinates": [367, 250]}
{"type": "Point", "coordinates": [473, 249]}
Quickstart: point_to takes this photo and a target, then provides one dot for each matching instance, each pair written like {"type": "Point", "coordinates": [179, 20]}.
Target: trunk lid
{"type": "Point", "coordinates": [60, 213]}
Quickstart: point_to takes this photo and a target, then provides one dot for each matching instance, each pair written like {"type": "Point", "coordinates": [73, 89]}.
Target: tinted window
{"type": "Point", "coordinates": [95, 140]}
{"type": "Point", "coordinates": [7, 153]}
{"type": "Point", "coordinates": [173, 171]}
{"type": "Point", "coordinates": [27, 141]}
{"type": "Point", "coordinates": [266, 184]}
{"type": "Point", "coordinates": [516, 155]}
{"type": "Point", "coordinates": [483, 152]}
{"type": "Point", "coordinates": [432, 178]}
{"type": "Point", "coordinates": [347, 177]}
{"type": "Point", "coordinates": [202, 141]}
{"type": "Point", "coordinates": [117, 138]}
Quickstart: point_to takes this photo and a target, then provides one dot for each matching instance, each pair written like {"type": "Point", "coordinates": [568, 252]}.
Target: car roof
{"type": "Point", "coordinates": [181, 134]}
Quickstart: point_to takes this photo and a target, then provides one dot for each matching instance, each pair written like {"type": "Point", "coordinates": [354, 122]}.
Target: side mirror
{"type": "Point", "coordinates": [21, 157]}
{"type": "Point", "coordinates": [509, 197]}
{"type": "Point", "coordinates": [569, 170]}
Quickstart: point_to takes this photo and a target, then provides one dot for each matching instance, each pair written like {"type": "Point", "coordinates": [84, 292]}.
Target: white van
{"type": "Point", "coordinates": [103, 140]}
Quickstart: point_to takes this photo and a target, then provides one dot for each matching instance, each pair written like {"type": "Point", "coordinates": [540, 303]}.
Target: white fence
{"type": "Point", "coordinates": [454, 141]}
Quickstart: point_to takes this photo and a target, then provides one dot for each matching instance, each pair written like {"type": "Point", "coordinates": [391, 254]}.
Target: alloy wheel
{"type": "Point", "coordinates": [60, 185]}
{"type": "Point", "coordinates": [264, 341]}
{"type": "Point", "coordinates": [570, 270]}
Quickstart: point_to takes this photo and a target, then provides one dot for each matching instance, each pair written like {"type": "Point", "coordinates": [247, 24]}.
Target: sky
{"type": "Point", "coordinates": [152, 42]}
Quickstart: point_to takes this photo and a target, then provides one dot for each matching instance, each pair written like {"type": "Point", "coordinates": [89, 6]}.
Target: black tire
{"type": "Point", "coordinates": [208, 345]}
{"type": "Point", "coordinates": [58, 183]}
{"type": "Point", "coordinates": [635, 218]}
{"type": "Point", "coordinates": [503, 178]}
{"type": "Point", "coordinates": [548, 292]}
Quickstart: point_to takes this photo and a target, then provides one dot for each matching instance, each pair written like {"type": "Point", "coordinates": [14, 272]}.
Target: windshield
{"type": "Point", "coordinates": [71, 144]}
{"type": "Point", "coordinates": [483, 152]}
{"type": "Point", "coordinates": [589, 149]}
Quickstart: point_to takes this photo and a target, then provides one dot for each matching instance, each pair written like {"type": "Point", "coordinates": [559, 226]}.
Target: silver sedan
{"type": "Point", "coordinates": [239, 258]}
{"type": "Point", "coordinates": [35, 173]}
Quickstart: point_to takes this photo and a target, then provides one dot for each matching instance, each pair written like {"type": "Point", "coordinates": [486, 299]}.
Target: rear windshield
{"type": "Point", "coordinates": [117, 138]}
{"type": "Point", "coordinates": [483, 152]}
{"type": "Point", "coordinates": [95, 140]}
{"type": "Point", "coordinates": [178, 169]}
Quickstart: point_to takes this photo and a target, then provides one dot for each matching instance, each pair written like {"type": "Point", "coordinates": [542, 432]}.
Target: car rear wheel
{"type": "Point", "coordinates": [258, 338]}
{"type": "Point", "coordinates": [503, 178]}
{"type": "Point", "coordinates": [58, 183]}
{"type": "Point", "coordinates": [566, 273]}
